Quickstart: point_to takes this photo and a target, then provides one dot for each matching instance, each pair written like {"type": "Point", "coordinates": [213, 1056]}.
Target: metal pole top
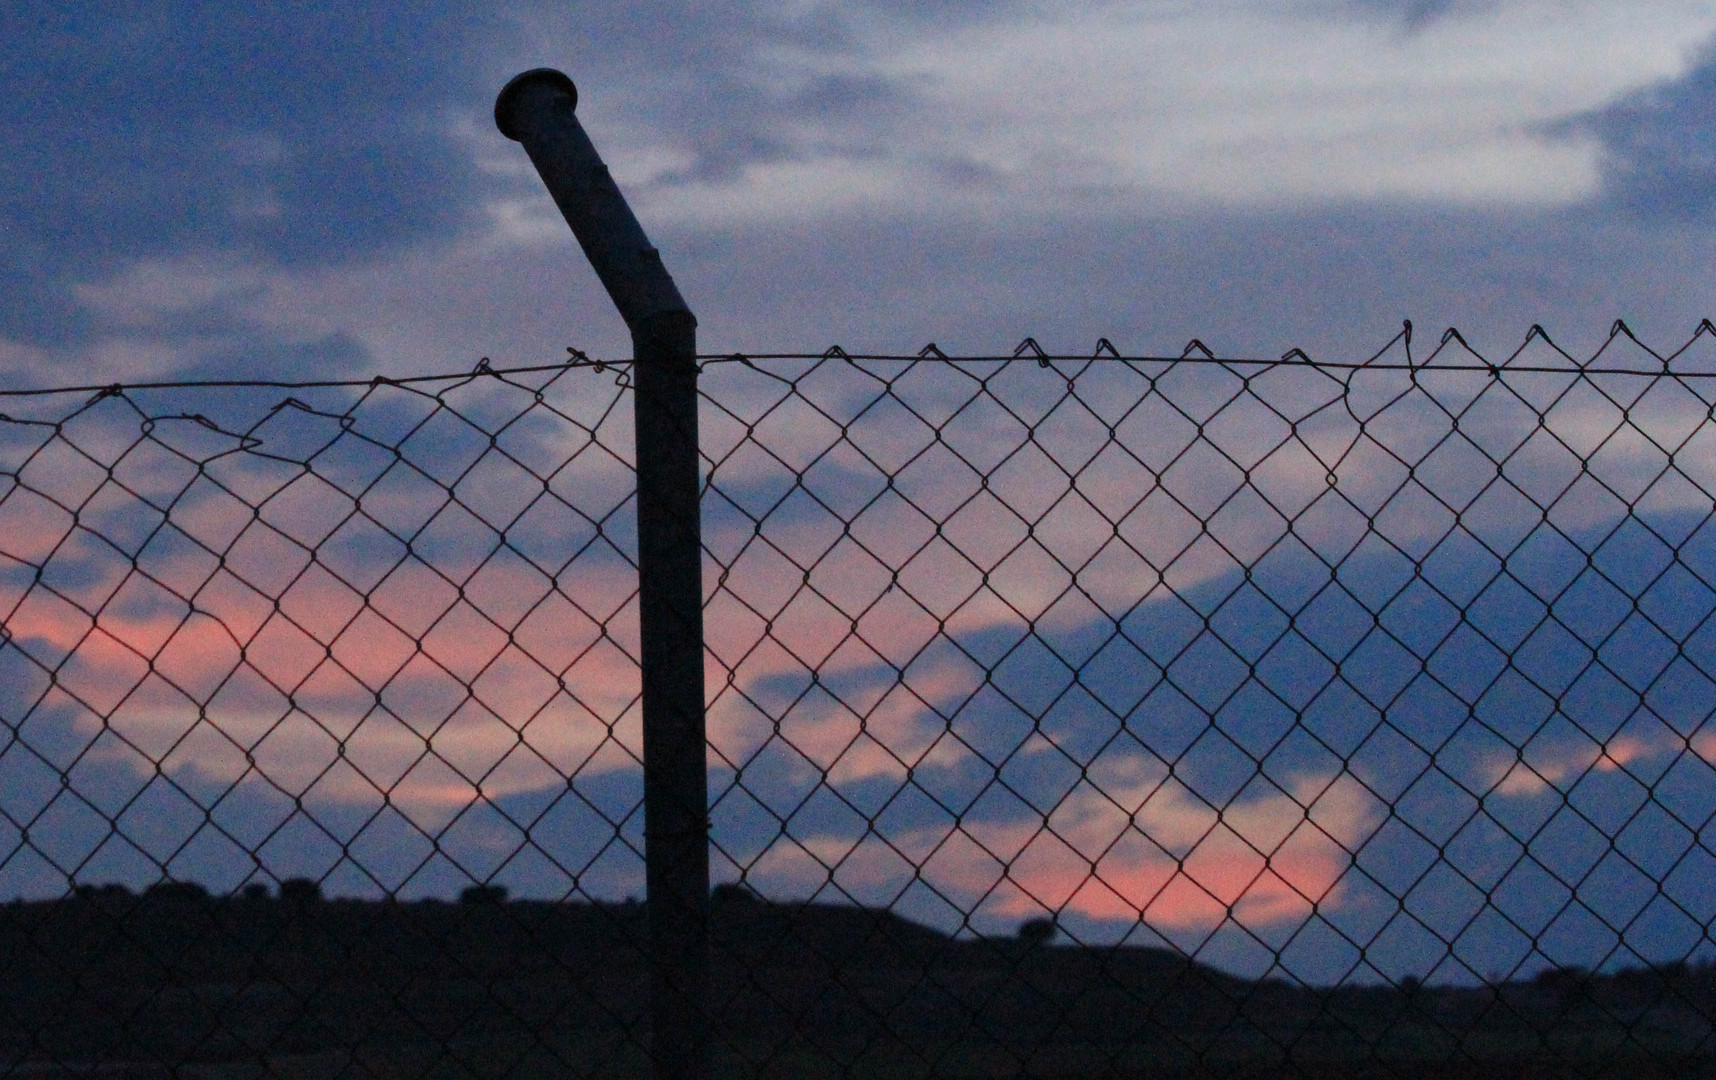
{"type": "Point", "coordinates": [535, 109]}
{"type": "Point", "coordinates": [523, 84]}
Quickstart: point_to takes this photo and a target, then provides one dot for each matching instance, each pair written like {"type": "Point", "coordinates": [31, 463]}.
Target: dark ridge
{"type": "Point", "coordinates": [110, 981]}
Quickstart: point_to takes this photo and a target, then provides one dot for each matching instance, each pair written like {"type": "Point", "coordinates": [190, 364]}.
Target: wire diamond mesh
{"type": "Point", "coordinates": [1067, 716]}
{"type": "Point", "coordinates": [373, 645]}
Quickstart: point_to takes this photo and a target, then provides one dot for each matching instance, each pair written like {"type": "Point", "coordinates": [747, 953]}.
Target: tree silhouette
{"type": "Point", "coordinates": [300, 891]}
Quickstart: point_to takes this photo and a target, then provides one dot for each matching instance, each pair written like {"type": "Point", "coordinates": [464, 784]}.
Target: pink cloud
{"type": "Point", "coordinates": [1548, 766]}
{"type": "Point", "coordinates": [1171, 862]}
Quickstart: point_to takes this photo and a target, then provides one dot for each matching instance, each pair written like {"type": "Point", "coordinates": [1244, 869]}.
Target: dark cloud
{"type": "Point", "coordinates": [723, 82]}
{"type": "Point", "coordinates": [304, 137]}
{"type": "Point", "coordinates": [332, 356]}
{"type": "Point", "coordinates": [1661, 147]}
{"type": "Point", "coordinates": [1415, 14]}
{"type": "Point", "coordinates": [190, 120]}
{"type": "Point", "coordinates": [843, 95]}
{"type": "Point", "coordinates": [299, 134]}
{"type": "Point", "coordinates": [1335, 282]}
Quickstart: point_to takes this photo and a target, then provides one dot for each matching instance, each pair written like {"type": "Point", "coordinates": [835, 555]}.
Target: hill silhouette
{"type": "Point", "coordinates": [176, 979]}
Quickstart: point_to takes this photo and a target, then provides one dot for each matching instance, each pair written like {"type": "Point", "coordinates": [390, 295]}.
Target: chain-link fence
{"type": "Point", "coordinates": [1092, 716]}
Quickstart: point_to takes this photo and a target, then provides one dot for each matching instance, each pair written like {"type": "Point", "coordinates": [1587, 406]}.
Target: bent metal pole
{"type": "Point", "coordinates": [536, 109]}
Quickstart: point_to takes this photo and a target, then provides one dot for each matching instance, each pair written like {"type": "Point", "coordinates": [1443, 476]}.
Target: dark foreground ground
{"type": "Point", "coordinates": [177, 983]}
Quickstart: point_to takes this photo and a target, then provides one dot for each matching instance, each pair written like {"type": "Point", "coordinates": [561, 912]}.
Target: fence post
{"type": "Point", "coordinates": [536, 109]}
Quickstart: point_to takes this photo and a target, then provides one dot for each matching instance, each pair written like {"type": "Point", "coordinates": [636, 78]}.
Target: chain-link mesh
{"type": "Point", "coordinates": [1067, 717]}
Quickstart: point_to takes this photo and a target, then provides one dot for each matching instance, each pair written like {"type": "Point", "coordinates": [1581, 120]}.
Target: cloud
{"type": "Point", "coordinates": [181, 122]}
{"type": "Point", "coordinates": [1416, 14]}
{"type": "Point", "coordinates": [1554, 766]}
{"type": "Point", "coordinates": [1660, 146]}
{"type": "Point", "coordinates": [183, 130]}
{"type": "Point", "coordinates": [828, 173]}
{"type": "Point", "coordinates": [1209, 770]}
{"type": "Point", "coordinates": [1107, 105]}
{"type": "Point", "coordinates": [1152, 854]}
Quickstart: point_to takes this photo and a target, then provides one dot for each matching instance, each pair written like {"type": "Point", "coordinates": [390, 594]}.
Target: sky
{"type": "Point", "coordinates": [256, 188]}
{"type": "Point", "coordinates": [1286, 674]}
{"type": "Point", "coordinates": [229, 191]}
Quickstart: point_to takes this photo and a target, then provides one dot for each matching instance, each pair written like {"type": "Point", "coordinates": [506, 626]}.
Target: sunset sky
{"type": "Point", "coordinates": [228, 191]}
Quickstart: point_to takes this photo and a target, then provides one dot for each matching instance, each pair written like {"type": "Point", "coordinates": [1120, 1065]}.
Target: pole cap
{"type": "Point", "coordinates": [506, 103]}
